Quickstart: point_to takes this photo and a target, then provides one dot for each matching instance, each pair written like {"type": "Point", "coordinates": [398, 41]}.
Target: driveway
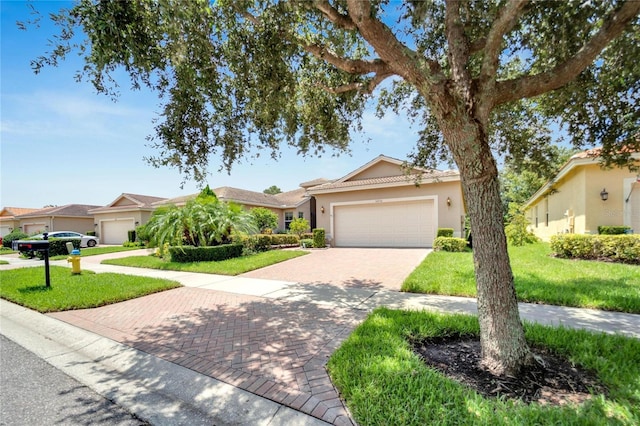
{"type": "Point", "coordinates": [373, 268]}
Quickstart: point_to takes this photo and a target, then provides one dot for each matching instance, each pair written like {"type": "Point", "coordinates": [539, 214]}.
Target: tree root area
{"type": "Point", "coordinates": [552, 381]}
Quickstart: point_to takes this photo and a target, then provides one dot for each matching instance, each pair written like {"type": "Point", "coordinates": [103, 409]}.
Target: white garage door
{"type": "Point", "coordinates": [33, 228]}
{"type": "Point", "coordinates": [390, 224]}
{"type": "Point", "coordinates": [115, 231]}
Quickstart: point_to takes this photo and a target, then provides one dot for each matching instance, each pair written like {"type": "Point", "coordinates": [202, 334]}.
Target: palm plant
{"type": "Point", "coordinates": [204, 221]}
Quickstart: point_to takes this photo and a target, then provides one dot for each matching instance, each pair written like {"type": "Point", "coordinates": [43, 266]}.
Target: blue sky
{"type": "Point", "coordinates": [62, 143]}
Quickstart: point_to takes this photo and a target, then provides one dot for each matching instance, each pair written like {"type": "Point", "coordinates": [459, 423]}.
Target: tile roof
{"type": "Point", "coordinates": [141, 202]}
{"type": "Point", "coordinates": [387, 180]}
{"type": "Point", "coordinates": [74, 210]}
{"type": "Point", "coordinates": [14, 211]}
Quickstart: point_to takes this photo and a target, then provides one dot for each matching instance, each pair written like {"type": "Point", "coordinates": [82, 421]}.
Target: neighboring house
{"type": "Point", "coordinates": [287, 205]}
{"type": "Point", "coordinates": [9, 218]}
{"type": "Point", "coordinates": [381, 205]}
{"type": "Point", "coordinates": [583, 196]}
{"type": "Point", "coordinates": [113, 221]}
{"type": "Point", "coordinates": [71, 217]}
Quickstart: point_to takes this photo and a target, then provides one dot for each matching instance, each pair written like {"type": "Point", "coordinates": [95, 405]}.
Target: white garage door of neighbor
{"type": "Point", "coordinates": [391, 224]}
{"type": "Point", "coordinates": [34, 228]}
{"type": "Point", "coordinates": [115, 231]}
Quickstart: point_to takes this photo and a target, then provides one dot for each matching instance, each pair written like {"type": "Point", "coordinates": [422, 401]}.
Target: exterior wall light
{"type": "Point", "coordinates": [604, 195]}
{"type": "Point", "coordinates": [448, 201]}
{"type": "Point", "coordinates": [322, 209]}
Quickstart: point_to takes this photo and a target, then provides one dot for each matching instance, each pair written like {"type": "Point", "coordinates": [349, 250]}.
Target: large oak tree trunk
{"type": "Point", "coordinates": [504, 349]}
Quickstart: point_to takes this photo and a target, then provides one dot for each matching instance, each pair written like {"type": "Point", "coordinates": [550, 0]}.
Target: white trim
{"type": "Point", "coordinates": [408, 182]}
{"type": "Point", "coordinates": [381, 201]}
{"type": "Point", "coordinates": [627, 187]}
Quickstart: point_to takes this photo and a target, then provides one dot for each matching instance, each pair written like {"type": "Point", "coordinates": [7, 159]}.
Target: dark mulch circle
{"type": "Point", "coordinates": [555, 381]}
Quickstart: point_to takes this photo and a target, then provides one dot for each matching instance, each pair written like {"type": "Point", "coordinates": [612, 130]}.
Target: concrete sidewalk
{"type": "Point", "coordinates": [224, 340]}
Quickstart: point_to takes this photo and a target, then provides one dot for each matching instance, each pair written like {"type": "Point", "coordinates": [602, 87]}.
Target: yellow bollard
{"type": "Point", "coordinates": [75, 262]}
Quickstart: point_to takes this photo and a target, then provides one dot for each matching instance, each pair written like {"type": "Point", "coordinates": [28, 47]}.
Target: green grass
{"type": "Point", "coordinates": [539, 278]}
{"type": "Point", "coordinates": [3, 262]}
{"type": "Point", "coordinates": [235, 266]}
{"type": "Point", "coordinates": [5, 250]}
{"type": "Point", "coordinates": [97, 250]}
{"type": "Point", "coordinates": [384, 382]}
{"type": "Point", "coordinates": [26, 287]}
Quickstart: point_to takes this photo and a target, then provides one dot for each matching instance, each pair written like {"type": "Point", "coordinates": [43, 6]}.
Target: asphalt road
{"type": "Point", "coordinates": [32, 392]}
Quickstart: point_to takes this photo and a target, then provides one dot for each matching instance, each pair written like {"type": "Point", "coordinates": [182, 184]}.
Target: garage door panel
{"type": "Point", "coordinates": [116, 231]}
{"type": "Point", "coordinates": [391, 224]}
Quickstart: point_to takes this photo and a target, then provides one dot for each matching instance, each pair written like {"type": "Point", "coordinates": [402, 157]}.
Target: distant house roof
{"type": "Point", "coordinates": [242, 196]}
{"type": "Point", "coordinates": [69, 210]}
{"type": "Point", "coordinates": [10, 213]}
{"type": "Point", "coordinates": [126, 201]}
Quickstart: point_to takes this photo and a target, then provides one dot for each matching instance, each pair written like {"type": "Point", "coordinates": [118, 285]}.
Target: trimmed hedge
{"type": "Point", "coordinates": [450, 244]}
{"type": "Point", "coordinates": [319, 239]}
{"type": "Point", "coordinates": [205, 254]}
{"type": "Point", "coordinates": [613, 230]}
{"type": "Point", "coordinates": [16, 234]}
{"type": "Point", "coordinates": [445, 232]}
{"type": "Point", "coordinates": [617, 248]}
{"type": "Point", "coordinates": [264, 242]}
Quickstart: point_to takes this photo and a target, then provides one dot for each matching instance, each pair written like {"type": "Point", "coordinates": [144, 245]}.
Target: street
{"type": "Point", "coordinates": [36, 393]}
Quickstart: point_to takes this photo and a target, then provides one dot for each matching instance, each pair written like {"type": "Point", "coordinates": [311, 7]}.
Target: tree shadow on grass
{"type": "Point", "coordinates": [34, 289]}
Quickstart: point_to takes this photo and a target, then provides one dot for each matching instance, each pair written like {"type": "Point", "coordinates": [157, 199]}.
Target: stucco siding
{"type": "Point", "coordinates": [448, 216]}
{"type": "Point", "coordinates": [382, 169]}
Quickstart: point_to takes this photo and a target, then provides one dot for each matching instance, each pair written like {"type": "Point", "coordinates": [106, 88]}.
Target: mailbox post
{"type": "Point", "coordinates": [39, 246]}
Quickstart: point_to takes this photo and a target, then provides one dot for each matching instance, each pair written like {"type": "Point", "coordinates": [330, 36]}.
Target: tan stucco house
{"type": "Point", "coordinates": [381, 205]}
{"type": "Point", "coordinates": [113, 221]}
{"type": "Point", "coordinates": [9, 218]}
{"type": "Point", "coordinates": [583, 196]}
{"type": "Point", "coordinates": [287, 205]}
{"type": "Point", "coordinates": [70, 217]}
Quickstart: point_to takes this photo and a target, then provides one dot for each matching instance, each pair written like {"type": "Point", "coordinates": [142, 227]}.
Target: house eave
{"type": "Point", "coordinates": [385, 185]}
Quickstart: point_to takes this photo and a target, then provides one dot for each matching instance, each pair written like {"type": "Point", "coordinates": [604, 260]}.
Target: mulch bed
{"type": "Point", "coordinates": [553, 382]}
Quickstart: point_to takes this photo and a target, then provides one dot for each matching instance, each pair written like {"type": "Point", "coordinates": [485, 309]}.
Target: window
{"type": "Point", "coordinates": [546, 208]}
{"type": "Point", "coordinates": [300, 215]}
{"type": "Point", "coordinates": [288, 217]}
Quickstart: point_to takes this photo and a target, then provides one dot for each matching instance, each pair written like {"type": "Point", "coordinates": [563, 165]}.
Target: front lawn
{"type": "Point", "coordinates": [26, 287]}
{"type": "Point", "coordinates": [383, 381]}
{"type": "Point", "coordinates": [234, 266]}
{"type": "Point", "coordinates": [93, 251]}
{"type": "Point", "coordinates": [539, 278]}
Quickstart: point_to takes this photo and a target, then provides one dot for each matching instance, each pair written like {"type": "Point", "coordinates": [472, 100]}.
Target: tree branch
{"type": "Point", "coordinates": [360, 87]}
{"type": "Point", "coordinates": [400, 59]}
{"type": "Point", "coordinates": [458, 51]}
{"type": "Point", "coordinates": [332, 14]}
{"type": "Point", "coordinates": [351, 66]}
{"type": "Point", "coordinates": [530, 86]}
{"type": "Point", "coordinates": [505, 21]}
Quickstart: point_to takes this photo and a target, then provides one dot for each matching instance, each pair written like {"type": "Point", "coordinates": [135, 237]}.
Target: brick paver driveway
{"type": "Point", "coordinates": [275, 348]}
{"type": "Point", "coordinates": [358, 267]}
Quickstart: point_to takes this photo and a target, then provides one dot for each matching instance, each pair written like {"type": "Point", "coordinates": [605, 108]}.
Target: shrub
{"type": "Point", "coordinates": [264, 242]}
{"type": "Point", "coordinates": [613, 230]}
{"type": "Point", "coordinates": [133, 244]}
{"type": "Point", "coordinates": [131, 235]}
{"type": "Point", "coordinates": [299, 226]}
{"type": "Point", "coordinates": [445, 232]}
{"type": "Point", "coordinates": [517, 232]}
{"type": "Point", "coordinates": [319, 240]}
{"type": "Point", "coordinates": [90, 233]}
{"type": "Point", "coordinates": [306, 242]}
{"type": "Point", "coordinates": [205, 254]}
{"type": "Point", "coordinates": [617, 248]}
{"type": "Point", "coordinates": [257, 243]}
{"type": "Point", "coordinates": [264, 219]}
{"type": "Point", "coordinates": [450, 244]}
{"type": "Point", "coordinates": [142, 234]}
{"type": "Point", "coordinates": [16, 234]}
{"type": "Point", "coordinates": [306, 236]}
